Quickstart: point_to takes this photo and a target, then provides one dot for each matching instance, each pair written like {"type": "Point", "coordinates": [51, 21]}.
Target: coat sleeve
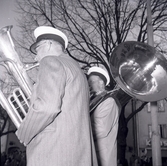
{"type": "Point", "coordinates": [46, 99]}
{"type": "Point", "coordinates": [104, 118]}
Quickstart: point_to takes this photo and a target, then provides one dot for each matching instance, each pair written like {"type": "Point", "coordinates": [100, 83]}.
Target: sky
{"type": "Point", "coordinates": [8, 15]}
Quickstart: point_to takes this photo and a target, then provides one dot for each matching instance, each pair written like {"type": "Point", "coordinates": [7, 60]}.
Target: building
{"type": "Point", "coordinates": [140, 132]}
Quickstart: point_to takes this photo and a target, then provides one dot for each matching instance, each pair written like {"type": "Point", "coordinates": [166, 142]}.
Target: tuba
{"type": "Point", "coordinates": [140, 71]}
{"type": "Point", "coordinates": [17, 103]}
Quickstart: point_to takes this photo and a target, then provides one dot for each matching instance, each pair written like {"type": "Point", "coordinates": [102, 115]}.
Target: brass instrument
{"type": "Point", "coordinates": [17, 103]}
{"type": "Point", "coordinates": [140, 71]}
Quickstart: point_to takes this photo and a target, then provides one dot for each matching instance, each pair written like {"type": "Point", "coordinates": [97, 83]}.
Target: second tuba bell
{"type": "Point", "coordinates": [140, 71]}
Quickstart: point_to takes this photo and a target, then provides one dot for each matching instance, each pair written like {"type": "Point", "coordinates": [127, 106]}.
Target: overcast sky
{"type": "Point", "coordinates": [8, 15]}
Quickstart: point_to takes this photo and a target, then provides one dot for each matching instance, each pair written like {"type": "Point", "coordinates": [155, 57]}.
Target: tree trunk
{"type": "Point", "coordinates": [121, 138]}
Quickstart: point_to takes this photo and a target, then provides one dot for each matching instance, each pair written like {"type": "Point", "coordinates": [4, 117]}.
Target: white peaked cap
{"type": "Point", "coordinates": [50, 33]}
{"type": "Point", "coordinates": [98, 70]}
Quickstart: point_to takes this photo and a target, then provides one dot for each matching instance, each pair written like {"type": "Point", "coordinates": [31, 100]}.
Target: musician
{"type": "Point", "coordinates": [57, 129]}
{"type": "Point", "coordinates": [104, 117]}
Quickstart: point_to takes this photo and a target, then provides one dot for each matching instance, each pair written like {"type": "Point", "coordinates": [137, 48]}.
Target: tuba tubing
{"type": "Point", "coordinates": [17, 103]}
{"type": "Point", "coordinates": [14, 116]}
{"type": "Point", "coordinates": [14, 70]}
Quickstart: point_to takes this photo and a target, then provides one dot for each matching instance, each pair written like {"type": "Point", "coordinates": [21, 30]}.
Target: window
{"type": "Point", "coordinates": [160, 106]}
{"type": "Point", "coordinates": [162, 130]}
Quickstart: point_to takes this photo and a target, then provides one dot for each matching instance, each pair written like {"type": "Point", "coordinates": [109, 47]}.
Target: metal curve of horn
{"type": "Point", "coordinates": [139, 70]}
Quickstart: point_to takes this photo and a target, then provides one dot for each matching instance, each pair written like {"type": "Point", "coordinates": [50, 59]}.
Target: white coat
{"type": "Point", "coordinates": [104, 121]}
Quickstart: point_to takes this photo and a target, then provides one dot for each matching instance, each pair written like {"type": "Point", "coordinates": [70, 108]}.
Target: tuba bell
{"type": "Point", "coordinates": [139, 70]}
{"type": "Point", "coordinates": [17, 103]}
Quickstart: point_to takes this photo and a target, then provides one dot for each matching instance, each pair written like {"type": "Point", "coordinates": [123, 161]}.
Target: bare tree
{"type": "Point", "coordinates": [94, 27]}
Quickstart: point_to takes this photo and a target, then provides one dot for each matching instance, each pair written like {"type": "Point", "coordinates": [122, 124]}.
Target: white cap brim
{"type": "Point", "coordinates": [101, 71]}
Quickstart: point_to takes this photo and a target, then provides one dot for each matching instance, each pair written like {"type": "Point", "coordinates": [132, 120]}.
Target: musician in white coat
{"type": "Point", "coordinates": [57, 129]}
{"type": "Point", "coordinates": [104, 118]}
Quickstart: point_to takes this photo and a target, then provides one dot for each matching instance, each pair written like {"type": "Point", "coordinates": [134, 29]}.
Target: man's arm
{"type": "Point", "coordinates": [46, 99]}
{"type": "Point", "coordinates": [104, 118]}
